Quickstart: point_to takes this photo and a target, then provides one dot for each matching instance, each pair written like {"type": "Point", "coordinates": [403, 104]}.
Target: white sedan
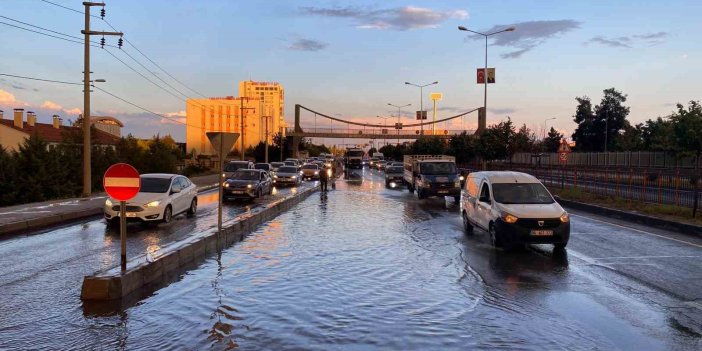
{"type": "Point", "coordinates": [161, 197]}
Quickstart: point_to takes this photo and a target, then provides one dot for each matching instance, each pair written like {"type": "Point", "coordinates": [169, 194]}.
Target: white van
{"type": "Point", "coordinates": [514, 208]}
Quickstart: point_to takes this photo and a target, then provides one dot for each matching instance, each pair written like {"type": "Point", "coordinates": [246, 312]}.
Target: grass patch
{"type": "Point", "coordinates": [668, 212]}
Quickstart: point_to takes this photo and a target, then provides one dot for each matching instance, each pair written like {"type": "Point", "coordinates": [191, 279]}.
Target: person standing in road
{"type": "Point", "coordinates": [324, 178]}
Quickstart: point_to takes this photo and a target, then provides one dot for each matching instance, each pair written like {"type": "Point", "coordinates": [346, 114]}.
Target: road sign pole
{"type": "Point", "coordinates": [123, 234]}
{"type": "Point", "coordinates": [220, 186]}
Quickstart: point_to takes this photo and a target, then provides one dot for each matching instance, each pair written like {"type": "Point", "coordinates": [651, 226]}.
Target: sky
{"type": "Point", "coordinates": [352, 57]}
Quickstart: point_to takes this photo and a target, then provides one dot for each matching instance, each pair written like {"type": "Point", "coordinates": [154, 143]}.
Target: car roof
{"type": "Point", "coordinates": [505, 177]}
{"type": "Point", "coordinates": [159, 175]}
{"type": "Point", "coordinates": [239, 161]}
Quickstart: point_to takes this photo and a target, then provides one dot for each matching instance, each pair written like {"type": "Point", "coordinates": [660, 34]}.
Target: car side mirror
{"type": "Point", "coordinates": [175, 191]}
{"type": "Point", "coordinates": [557, 198]}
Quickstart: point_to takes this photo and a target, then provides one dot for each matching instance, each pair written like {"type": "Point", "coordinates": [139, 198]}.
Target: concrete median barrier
{"type": "Point", "coordinates": [149, 271]}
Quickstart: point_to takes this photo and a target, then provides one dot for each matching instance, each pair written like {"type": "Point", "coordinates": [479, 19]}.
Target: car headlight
{"type": "Point", "coordinates": [226, 185]}
{"type": "Point", "coordinates": [108, 203]}
{"type": "Point", "coordinates": [153, 204]}
{"type": "Point", "coordinates": [275, 176]}
{"type": "Point", "coordinates": [316, 172]}
{"type": "Point", "coordinates": [461, 178]}
{"type": "Point", "coordinates": [508, 218]}
{"type": "Point", "coordinates": [565, 218]}
{"type": "Point", "coordinates": [248, 186]}
{"type": "Point", "coordinates": [294, 177]}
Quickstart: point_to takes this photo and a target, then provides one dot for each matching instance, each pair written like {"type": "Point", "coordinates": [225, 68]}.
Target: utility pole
{"type": "Point", "coordinates": [87, 181]}
{"type": "Point", "coordinates": [241, 119]}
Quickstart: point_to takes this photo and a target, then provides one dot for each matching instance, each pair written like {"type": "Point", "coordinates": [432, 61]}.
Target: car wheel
{"type": "Point", "coordinates": [410, 188]}
{"type": "Point", "coordinates": [193, 208]}
{"type": "Point", "coordinates": [420, 194]}
{"type": "Point", "coordinates": [457, 199]}
{"type": "Point", "coordinates": [258, 193]}
{"type": "Point", "coordinates": [167, 214]}
{"type": "Point", "coordinates": [493, 237]}
{"type": "Point", "coordinates": [559, 246]}
{"type": "Point", "coordinates": [467, 227]}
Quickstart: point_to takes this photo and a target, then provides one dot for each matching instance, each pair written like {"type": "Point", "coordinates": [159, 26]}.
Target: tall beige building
{"type": "Point", "coordinates": [260, 103]}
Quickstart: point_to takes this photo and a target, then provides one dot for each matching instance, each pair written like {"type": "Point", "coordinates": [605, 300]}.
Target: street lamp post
{"type": "Point", "coordinates": [546, 120]}
{"type": "Point", "coordinates": [421, 102]}
{"type": "Point", "coordinates": [399, 113]}
{"type": "Point", "coordinates": [385, 126]}
{"type": "Point", "coordinates": [485, 81]}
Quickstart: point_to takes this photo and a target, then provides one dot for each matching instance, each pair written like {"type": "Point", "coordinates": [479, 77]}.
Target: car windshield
{"type": "Point", "coordinates": [277, 164]}
{"type": "Point", "coordinates": [233, 166]}
{"type": "Point", "coordinates": [245, 175]}
{"type": "Point", "coordinates": [264, 167]}
{"type": "Point", "coordinates": [521, 193]}
{"type": "Point", "coordinates": [289, 163]}
{"type": "Point", "coordinates": [395, 170]}
{"type": "Point", "coordinates": [438, 168]}
{"type": "Point", "coordinates": [287, 170]}
{"type": "Point", "coordinates": [154, 185]}
{"type": "Point", "coordinates": [310, 167]}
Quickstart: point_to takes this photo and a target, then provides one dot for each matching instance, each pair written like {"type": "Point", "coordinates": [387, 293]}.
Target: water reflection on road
{"type": "Point", "coordinates": [362, 267]}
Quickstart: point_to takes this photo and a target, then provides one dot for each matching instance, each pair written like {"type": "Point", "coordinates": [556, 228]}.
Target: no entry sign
{"type": "Point", "coordinates": [121, 182]}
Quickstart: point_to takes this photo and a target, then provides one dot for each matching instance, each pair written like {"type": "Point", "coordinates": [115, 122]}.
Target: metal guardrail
{"type": "Point", "coordinates": [650, 186]}
{"type": "Point", "coordinates": [637, 159]}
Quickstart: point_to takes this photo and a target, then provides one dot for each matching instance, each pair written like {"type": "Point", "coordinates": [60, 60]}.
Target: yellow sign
{"type": "Point", "coordinates": [436, 96]}
{"type": "Point", "coordinates": [564, 146]}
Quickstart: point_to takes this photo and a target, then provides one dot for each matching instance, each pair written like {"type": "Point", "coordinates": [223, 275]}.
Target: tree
{"type": "Point", "coordinates": [495, 142]}
{"type": "Point", "coordinates": [605, 123]}
{"type": "Point", "coordinates": [462, 146]}
{"type": "Point", "coordinates": [585, 118]}
{"type": "Point", "coordinates": [8, 174]}
{"type": "Point", "coordinates": [657, 135]}
{"type": "Point", "coordinates": [524, 140]}
{"type": "Point", "coordinates": [372, 151]}
{"type": "Point", "coordinates": [162, 157]}
{"type": "Point", "coordinates": [428, 145]}
{"type": "Point", "coordinates": [687, 129]}
{"type": "Point", "coordinates": [35, 180]}
{"type": "Point", "coordinates": [631, 138]}
{"type": "Point", "coordinates": [129, 151]}
{"type": "Point", "coordinates": [552, 141]}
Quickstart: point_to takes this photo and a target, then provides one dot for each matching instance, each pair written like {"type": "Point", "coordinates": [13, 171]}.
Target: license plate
{"type": "Point", "coordinates": [131, 214]}
{"type": "Point", "coordinates": [238, 192]}
{"type": "Point", "coordinates": [443, 191]}
{"type": "Point", "coordinates": [542, 232]}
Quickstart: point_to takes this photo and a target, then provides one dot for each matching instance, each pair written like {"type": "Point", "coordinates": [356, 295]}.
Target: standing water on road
{"type": "Point", "coordinates": [359, 268]}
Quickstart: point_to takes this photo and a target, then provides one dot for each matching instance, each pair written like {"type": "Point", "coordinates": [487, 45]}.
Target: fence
{"type": "Point", "coordinates": [669, 187]}
{"type": "Point", "coordinates": [633, 159]}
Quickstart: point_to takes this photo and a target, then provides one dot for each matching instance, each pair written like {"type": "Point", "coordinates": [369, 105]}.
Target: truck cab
{"type": "Point", "coordinates": [432, 175]}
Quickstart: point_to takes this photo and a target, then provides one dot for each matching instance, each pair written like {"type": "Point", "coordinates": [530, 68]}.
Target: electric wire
{"type": "Point", "coordinates": [39, 79]}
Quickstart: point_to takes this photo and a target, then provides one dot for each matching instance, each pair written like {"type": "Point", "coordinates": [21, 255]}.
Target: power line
{"type": "Point", "coordinates": [155, 64]}
{"type": "Point", "coordinates": [39, 79]}
{"type": "Point", "coordinates": [145, 109]}
{"type": "Point", "coordinates": [81, 40]}
{"type": "Point", "coordinates": [48, 35]}
{"type": "Point", "coordinates": [42, 28]}
{"type": "Point", "coordinates": [137, 49]}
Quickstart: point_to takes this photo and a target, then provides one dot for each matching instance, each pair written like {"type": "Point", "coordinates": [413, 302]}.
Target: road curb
{"type": "Point", "coordinates": [149, 272]}
{"type": "Point", "coordinates": [14, 228]}
{"type": "Point", "coordinates": [634, 217]}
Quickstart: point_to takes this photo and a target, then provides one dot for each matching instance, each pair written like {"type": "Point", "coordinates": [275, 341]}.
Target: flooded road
{"type": "Point", "coordinates": [364, 268]}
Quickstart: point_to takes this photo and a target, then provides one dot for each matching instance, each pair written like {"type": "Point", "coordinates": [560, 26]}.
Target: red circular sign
{"type": "Point", "coordinates": [121, 182]}
{"type": "Point", "coordinates": [563, 156]}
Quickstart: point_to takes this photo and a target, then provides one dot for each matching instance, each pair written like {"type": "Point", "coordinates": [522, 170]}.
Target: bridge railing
{"type": "Point", "coordinates": [379, 131]}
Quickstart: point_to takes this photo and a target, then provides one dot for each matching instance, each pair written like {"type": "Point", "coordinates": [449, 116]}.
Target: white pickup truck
{"type": "Point", "coordinates": [432, 175]}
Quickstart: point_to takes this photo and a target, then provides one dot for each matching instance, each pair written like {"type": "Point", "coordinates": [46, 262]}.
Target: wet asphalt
{"type": "Point", "coordinates": [364, 267]}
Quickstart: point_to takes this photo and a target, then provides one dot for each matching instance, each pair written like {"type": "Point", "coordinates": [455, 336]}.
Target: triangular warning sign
{"type": "Point", "coordinates": [222, 142]}
{"type": "Point", "coordinates": [564, 146]}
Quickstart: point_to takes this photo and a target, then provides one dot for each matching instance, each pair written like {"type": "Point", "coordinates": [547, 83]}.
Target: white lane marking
{"type": "Point", "coordinates": [640, 231]}
{"type": "Point", "coordinates": [627, 257]}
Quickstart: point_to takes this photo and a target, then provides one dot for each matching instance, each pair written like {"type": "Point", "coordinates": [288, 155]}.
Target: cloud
{"type": "Point", "coordinates": [307, 45]}
{"type": "Point", "coordinates": [403, 18]}
{"type": "Point", "coordinates": [9, 99]}
{"type": "Point", "coordinates": [502, 111]}
{"type": "Point", "coordinates": [180, 113]}
{"type": "Point", "coordinates": [527, 35]}
{"type": "Point", "coordinates": [174, 117]}
{"type": "Point", "coordinates": [630, 41]}
{"type": "Point", "coordinates": [73, 111]}
{"type": "Point", "coordinates": [683, 56]}
{"type": "Point", "coordinates": [50, 105]}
